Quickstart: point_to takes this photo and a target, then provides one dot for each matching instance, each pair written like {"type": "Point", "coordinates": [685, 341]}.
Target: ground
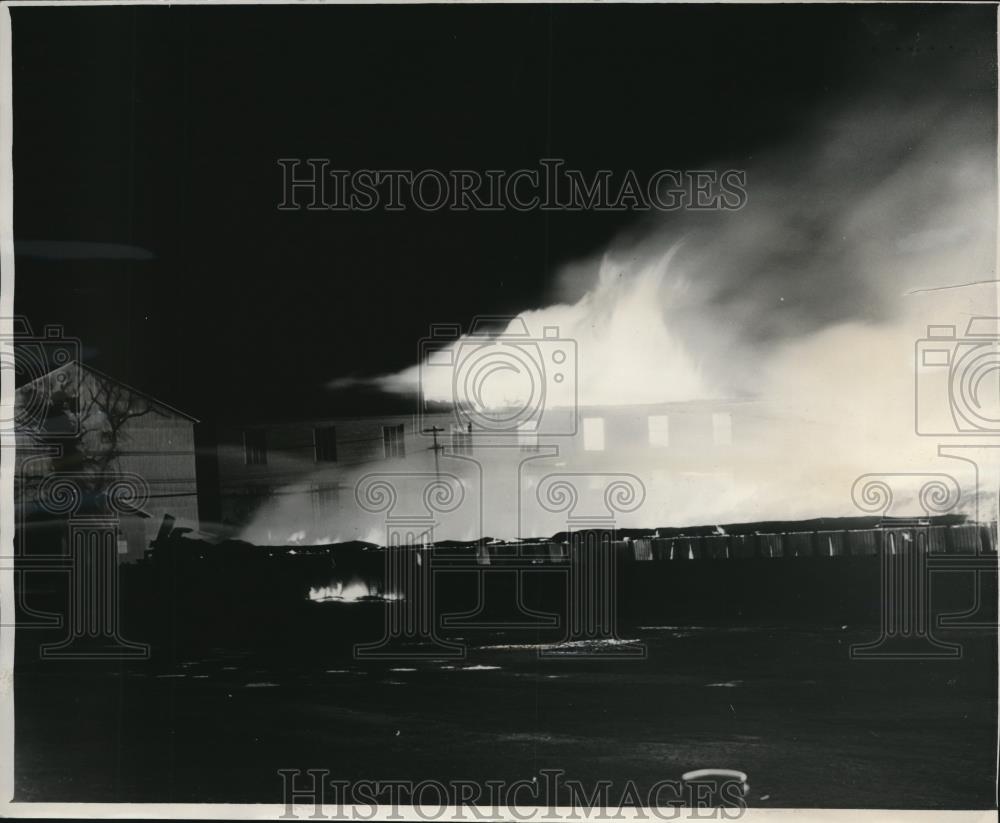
{"type": "Point", "coordinates": [810, 727]}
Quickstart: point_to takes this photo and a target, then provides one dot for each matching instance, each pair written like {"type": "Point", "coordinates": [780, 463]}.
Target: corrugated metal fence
{"type": "Point", "coordinates": [971, 538]}
{"type": "Point", "coordinates": [966, 539]}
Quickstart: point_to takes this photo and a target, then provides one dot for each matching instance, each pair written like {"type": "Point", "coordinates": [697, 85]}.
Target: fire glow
{"type": "Point", "coordinates": [354, 591]}
{"type": "Point", "coordinates": [807, 302]}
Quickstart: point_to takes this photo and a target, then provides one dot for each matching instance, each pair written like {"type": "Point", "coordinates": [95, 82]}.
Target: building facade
{"type": "Point", "coordinates": [307, 481]}
{"type": "Point", "coordinates": [91, 435]}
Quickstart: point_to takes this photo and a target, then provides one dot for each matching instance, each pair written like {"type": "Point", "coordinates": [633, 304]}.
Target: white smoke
{"type": "Point", "coordinates": [854, 239]}
{"type": "Point", "coordinates": [626, 352]}
{"type": "Point", "coordinates": [810, 299]}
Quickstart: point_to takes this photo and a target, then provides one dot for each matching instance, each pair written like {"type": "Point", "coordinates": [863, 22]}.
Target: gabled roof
{"type": "Point", "coordinates": [172, 410]}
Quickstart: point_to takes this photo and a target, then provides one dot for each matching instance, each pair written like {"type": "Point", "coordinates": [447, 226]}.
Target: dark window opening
{"type": "Point", "coordinates": [392, 441]}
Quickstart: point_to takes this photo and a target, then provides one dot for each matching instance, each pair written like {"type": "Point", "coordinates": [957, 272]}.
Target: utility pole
{"type": "Point", "coordinates": [437, 447]}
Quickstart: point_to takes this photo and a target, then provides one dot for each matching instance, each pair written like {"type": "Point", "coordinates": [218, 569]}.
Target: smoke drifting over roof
{"type": "Point", "coordinates": [873, 220]}
{"type": "Point", "coordinates": [846, 228]}
{"type": "Point", "coordinates": [874, 223]}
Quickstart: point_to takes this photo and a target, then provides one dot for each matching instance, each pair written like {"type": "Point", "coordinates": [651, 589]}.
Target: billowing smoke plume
{"type": "Point", "coordinates": [810, 299]}
{"type": "Point", "coordinates": [848, 227]}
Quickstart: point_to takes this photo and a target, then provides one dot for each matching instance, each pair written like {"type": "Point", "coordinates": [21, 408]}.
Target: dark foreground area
{"type": "Point", "coordinates": [715, 660]}
{"type": "Point", "coordinates": [811, 727]}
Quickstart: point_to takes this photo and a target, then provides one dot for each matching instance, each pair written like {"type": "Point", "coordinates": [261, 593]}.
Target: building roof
{"type": "Point", "coordinates": [83, 367]}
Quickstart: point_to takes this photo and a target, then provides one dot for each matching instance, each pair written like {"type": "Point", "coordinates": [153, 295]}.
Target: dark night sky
{"type": "Point", "coordinates": [160, 129]}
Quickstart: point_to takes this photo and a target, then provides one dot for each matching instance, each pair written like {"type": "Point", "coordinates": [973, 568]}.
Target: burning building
{"type": "Point", "coordinates": [305, 481]}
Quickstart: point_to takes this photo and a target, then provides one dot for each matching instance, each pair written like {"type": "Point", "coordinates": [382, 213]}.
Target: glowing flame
{"type": "Point", "coordinates": [810, 299]}
{"type": "Point", "coordinates": [353, 591]}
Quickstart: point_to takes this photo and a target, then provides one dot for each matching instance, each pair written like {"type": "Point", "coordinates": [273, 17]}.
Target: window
{"type": "Point", "coordinates": [527, 436]}
{"type": "Point", "coordinates": [659, 430]}
{"type": "Point", "coordinates": [325, 441]}
{"type": "Point", "coordinates": [593, 434]}
{"type": "Point", "coordinates": [255, 447]}
{"type": "Point", "coordinates": [392, 441]}
{"type": "Point", "coordinates": [722, 429]}
{"type": "Point", "coordinates": [461, 441]}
